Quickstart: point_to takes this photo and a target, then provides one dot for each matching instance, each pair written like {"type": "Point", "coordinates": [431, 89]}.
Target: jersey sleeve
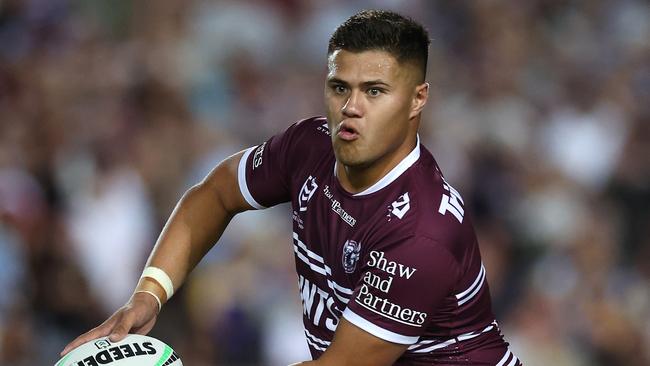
{"type": "Point", "coordinates": [263, 172]}
{"type": "Point", "coordinates": [401, 287]}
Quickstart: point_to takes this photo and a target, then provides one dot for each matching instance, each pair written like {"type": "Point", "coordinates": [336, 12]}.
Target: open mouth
{"type": "Point", "coordinates": [347, 133]}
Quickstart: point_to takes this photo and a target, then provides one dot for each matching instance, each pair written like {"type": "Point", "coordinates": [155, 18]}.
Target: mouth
{"type": "Point", "coordinates": [346, 132]}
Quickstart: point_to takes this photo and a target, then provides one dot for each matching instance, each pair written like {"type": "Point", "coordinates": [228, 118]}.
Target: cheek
{"type": "Point", "coordinates": [390, 112]}
{"type": "Point", "coordinates": [394, 103]}
{"type": "Point", "coordinates": [332, 104]}
{"type": "Point", "coordinates": [390, 120]}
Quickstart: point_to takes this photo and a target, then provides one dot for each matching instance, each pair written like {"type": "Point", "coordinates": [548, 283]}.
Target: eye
{"type": "Point", "coordinates": [339, 89]}
{"type": "Point", "coordinates": [374, 92]}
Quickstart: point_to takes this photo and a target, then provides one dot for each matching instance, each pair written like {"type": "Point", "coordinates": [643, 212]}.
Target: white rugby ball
{"type": "Point", "coordinates": [134, 350]}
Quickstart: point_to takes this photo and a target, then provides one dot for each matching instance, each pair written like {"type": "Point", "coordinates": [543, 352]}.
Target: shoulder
{"type": "Point", "coordinates": [312, 130]}
{"type": "Point", "coordinates": [438, 201]}
{"type": "Point", "coordinates": [430, 212]}
{"type": "Point", "coordinates": [300, 141]}
{"type": "Point", "coordinates": [314, 124]}
{"type": "Point", "coordinates": [310, 142]}
{"type": "Point", "coordinates": [307, 137]}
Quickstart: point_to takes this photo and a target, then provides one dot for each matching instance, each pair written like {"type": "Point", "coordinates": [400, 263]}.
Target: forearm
{"type": "Point", "coordinates": [195, 225]}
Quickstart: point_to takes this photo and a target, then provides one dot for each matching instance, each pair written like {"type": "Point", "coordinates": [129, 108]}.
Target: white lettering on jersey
{"type": "Point", "coordinates": [377, 282]}
{"type": "Point", "coordinates": [337, 208]}
{"type": "Point", "coordinates": [379, 261]}
{"type": "Point", "coordinates": [306, 192]}
{"type": "Point", "coordinates": [324, 128]}
{"type": "Point", "coordinates": [452, 203]}
{"type": "Point", "coordinates": [332, 322]}
{"type": "Point", "coordinates": [257, 157]}
{"type": "Point", "coordinates": [311, 294]}
{"type": "Point", "coordinates": [388, 309]}
{"type": "Point", "coordinates": [374, 301]}
{"type": "Point", "coordinates": [401, 206]}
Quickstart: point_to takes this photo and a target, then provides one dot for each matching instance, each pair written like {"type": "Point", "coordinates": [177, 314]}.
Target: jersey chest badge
{"type": "Point", "coordinates": [306, 192]}
{"type": "Point", "coordinates": [351, 250]}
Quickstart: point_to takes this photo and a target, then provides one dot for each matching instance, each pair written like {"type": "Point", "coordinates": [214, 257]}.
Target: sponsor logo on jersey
{"type": "Point", "coordinates": [452, 203]}
{"type": "Point", "coordinates": [257, 157]}
{"type": "Point", "coordinates": [401, 206]}
{"type": "Point", "coordinates": [324, 128]}
{"type": "Point", "coordinates": [378, 260]}
{"type": "Point", "coordinates": [298, 220]}
{"type": "Point", "coordinates": [337, 208]}
{"type": "Point", "coordinates": [318, 306]}
{"type": "Point", "coordinates": [382, 280]}
{"type": "Point", "coordinates": [351, 250]}
{"type": "Point", "coordinates": [306, 192]}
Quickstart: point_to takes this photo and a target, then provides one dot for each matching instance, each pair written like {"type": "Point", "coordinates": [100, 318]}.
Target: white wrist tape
{"type": "Point", "coordinates": [162, 278]}
{"type": "Point", "coordinates": [154, 296]}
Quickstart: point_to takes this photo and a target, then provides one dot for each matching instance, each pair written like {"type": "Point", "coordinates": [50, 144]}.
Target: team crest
{"type": "Point", "coordinates": [308, 189]}
{"type": "Point", "coordinates": [351, 250]}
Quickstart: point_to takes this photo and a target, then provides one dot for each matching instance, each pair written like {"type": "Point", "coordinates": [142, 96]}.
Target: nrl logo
{"type": "Point", "coordinates": [351, 250]}
{"type": "Point", "coordinates": [307, 190]}
{"type": "Point", "coordinates": [102, 344]}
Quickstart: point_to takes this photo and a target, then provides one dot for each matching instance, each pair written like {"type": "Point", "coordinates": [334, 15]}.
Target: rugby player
{"type": "Point", "coordinates": [388, 264]}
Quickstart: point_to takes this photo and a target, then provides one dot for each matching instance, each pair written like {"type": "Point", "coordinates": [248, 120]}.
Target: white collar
{"type": "Point", "coordinates": [395, 173]}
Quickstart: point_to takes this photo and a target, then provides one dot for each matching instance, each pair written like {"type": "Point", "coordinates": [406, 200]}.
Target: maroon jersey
{"type": "Point", "coordinates": [399, 260]}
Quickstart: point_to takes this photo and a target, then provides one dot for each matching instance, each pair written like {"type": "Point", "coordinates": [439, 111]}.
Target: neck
{"type": "Point", "coordinates": [358, 179]}
{"type": "Point", "coordinates": [355, 179]}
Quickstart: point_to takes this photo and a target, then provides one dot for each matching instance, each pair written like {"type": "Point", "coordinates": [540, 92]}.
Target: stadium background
{"type": "Point", "coordinates": [109, 110]}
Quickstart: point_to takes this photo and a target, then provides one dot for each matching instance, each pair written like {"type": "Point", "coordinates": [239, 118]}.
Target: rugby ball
{"type": "Point", "coordinates": [134, 350]}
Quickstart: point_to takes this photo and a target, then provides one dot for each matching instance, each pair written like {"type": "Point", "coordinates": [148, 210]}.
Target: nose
{"type": "Point", "coordinates": [352, 107]}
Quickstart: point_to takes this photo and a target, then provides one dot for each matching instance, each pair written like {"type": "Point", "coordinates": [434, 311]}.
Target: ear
{"type": "Point", "coordinates": [419, 99]}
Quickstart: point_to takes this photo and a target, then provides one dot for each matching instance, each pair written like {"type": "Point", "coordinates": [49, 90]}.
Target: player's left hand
{"type": "Point", "coordinates": [137, 316]}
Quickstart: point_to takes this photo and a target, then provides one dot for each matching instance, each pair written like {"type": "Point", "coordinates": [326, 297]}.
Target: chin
{"type": "Point", "coordinates": [351, 160]}
{"type": "Point", "coordinates": [346, 158]}
{"type": "Point", "coordinates": [350, 155]}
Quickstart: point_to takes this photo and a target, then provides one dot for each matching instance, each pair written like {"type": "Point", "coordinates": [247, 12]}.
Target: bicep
{"type": "Point", "coordinates": [352, 346]}
{"type": "Point", "coordinates": [223, 182]}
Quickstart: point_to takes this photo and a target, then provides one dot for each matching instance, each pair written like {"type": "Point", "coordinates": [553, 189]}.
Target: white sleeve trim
{"type": "Point", "coordinates": [377, 331]}
{"type": "Point", "coordinates": [241, 178]}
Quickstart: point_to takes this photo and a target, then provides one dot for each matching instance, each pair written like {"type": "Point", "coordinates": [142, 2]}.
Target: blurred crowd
{"type": "Point", "coordinates": [109, 110]}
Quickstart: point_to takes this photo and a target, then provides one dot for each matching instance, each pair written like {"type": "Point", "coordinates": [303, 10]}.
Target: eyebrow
{"type": "Point", "coordinates": [365, 83]}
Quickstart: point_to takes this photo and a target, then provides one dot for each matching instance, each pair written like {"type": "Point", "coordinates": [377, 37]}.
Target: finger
{"type": "Point", "coordinates": [102, 330]}
{"type": "Point", "coordinates": [146, 328]}
{"type": "Point", "coordinates": [122, 328]}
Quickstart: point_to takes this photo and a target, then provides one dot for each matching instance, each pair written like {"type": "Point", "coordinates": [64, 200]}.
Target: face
{"type": "Point", "coordinates": [373, 106]}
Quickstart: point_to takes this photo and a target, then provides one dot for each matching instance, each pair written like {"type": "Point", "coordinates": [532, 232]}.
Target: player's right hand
{"type": "Point", "coordinates": [137, 316]}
